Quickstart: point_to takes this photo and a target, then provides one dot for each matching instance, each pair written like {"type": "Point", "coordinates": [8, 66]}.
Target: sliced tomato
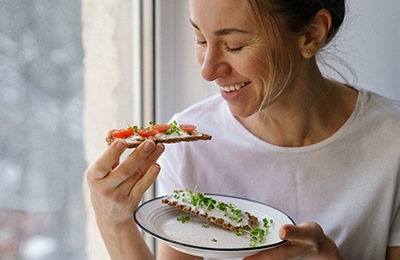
{"type": "Point", "coordinates": [147, 132]}
{"type": "Point", "coordinates": [123, 133]}
{"type": "Point", "coordinates": [161, 127]}
{"type": "Point", "coordinates": [187, 128]}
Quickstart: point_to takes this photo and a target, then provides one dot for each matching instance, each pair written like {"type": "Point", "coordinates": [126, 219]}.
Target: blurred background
{"type": "Point", "coordinates": [41, 150]}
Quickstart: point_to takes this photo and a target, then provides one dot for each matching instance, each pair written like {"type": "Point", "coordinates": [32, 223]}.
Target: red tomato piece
{"type": "Point", "coordinates": [187, 128]}
{"type": "Point", "coordinates": [161, 127]}
{"type": "Point", "coordinates": [147, 132]}
{"type": "Point", "coordinates": [123, 133]}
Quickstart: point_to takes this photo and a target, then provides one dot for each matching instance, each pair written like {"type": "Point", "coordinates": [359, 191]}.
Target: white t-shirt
{"type": "Point", "coordinates": [348, 183]}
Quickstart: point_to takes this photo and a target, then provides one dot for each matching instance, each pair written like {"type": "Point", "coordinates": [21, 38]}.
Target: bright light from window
{"type": "Point", "coordinates": [41, 157]}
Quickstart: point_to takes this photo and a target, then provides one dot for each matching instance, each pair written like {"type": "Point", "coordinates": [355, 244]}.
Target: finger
{"type": "Point", "coordinates": [290, 250]}
{"type": "Point", "coordinates": [136, 164]}
{"type": "Point", "coordinates": [130, 192]}
{"type": "Point", "coordinates": [307, 232]}
{"type": "Point", "coordinates": [146, 181]}
{"type": "Point", "coordinates": [139, 181]}
{"type": "Point", "coordinates": [109, 133]}
{"type": "Point", "coordinates": [104, 164]}
{"type": "Point", "coordinates": [152, 158]}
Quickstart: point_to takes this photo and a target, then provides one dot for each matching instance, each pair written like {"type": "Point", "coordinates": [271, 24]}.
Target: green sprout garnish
{"type": "Point", "coordinates": [184, 219]}
{"type": "Point", "coordinates": [176, 194]}
{"type": "Point", "coordinates": [198, 199]}
{"type": "Point", "coordinates": [174, 128]}
{"type": "Point", "coordinates": [206, 225]}
{"type": "Point", "coordinates": [231, 211]}
{"type": "Point", "coordinates": [257, 235]}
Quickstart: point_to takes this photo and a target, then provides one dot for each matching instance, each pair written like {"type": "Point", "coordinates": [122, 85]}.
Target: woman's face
{"type": "Point", "coordinates": [231, 52]}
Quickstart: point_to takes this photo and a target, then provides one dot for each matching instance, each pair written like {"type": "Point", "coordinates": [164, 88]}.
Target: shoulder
{"type": "Point", "coordinates": [378, 110]}
{"type": "Point", "coordinates": [379, 103]}
{"type": "Point", "coordinates": [377, 116]}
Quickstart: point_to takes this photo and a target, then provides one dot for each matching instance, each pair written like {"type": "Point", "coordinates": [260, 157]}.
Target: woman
{"type": "Point", "coordinates": [324, 152]}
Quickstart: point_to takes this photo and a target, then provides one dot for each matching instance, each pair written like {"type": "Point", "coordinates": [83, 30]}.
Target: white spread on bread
{"type": "Point", "coordinates": [175, 135]}
{"type": "Point", "coordinates": [171, 137]}
{"type": "Point", "coordinates": [220, 213]}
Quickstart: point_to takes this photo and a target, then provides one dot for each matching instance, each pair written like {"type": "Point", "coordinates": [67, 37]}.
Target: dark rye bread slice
{"type": "Point", "coordinates": [133, 143]}
{"type": "Point", "coordinates": [252, 220]}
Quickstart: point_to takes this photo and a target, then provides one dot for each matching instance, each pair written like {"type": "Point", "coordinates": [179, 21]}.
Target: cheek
{"type": "Point", "coordinates": [260, 75]}
{"type": "Point", "coordinates": [256, 67]}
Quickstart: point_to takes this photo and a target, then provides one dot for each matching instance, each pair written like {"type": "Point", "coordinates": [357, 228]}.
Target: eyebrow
{"type": "Point", "coordinates": [220, 32]}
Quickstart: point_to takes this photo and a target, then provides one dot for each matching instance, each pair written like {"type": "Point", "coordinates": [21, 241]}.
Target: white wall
{"type": "Point", "coordinates": [372, 37]}
{"type": "Point", "coordinates": [369, 43]}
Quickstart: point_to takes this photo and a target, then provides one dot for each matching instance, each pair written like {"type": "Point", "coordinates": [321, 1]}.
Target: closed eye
{"type": "Point", "coordinates": [200, 42]}
{"type": "Point", "coordinates": [233, 50]}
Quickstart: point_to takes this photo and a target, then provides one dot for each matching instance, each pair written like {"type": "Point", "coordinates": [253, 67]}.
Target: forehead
{"type": "Point", "coordinates": [218, 14]}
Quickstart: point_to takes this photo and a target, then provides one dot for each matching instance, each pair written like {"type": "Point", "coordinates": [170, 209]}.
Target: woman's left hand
{"type": "Point", "coordinates": [305, 241]}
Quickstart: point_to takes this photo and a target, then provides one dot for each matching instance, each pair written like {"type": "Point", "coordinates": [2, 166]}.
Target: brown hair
{"type": "Point", "coordinates": [282, 20]}
{"type": "Point", "coordinates": [297, 15]}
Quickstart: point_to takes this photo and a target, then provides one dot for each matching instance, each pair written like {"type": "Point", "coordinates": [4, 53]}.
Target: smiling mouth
{"type": "Point", "coordinates": [234, 87]}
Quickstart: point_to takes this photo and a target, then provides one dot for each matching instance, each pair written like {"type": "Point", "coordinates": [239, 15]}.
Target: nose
{"type": "Point", "coordinates": [213, 64]}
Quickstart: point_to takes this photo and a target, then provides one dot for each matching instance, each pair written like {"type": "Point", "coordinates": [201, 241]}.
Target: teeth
{"type": "Point", "coordinates": [233, 87]}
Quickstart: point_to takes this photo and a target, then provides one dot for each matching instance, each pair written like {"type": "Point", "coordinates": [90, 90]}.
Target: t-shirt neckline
{"type": "Point", "coordinates": [333, 138]}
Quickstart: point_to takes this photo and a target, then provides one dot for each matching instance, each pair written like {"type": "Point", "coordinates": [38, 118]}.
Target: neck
{"type": "Point", "coordinates": [303, 114]}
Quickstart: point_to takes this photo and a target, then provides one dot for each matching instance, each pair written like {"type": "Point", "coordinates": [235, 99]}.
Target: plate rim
{"type": "Point", "coordinates": [223, 249]}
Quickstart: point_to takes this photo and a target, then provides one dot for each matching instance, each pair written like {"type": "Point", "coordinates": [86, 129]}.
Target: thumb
{"type": "Point", "coordinates": [306, 233]}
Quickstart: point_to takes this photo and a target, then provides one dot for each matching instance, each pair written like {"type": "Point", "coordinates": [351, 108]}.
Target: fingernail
{"type": "Point", "coordinates": [283, 233]}
{"type": "Point", "coordinates": [148, 145]}
{"type": "Point", "coordinates": [159, 148]}
{"type": "Point", "coordinates": [156, 168]}
{"type": "Point", "coordinates": [286, 233]}
{"type": "Point", "coordinates": [120, 145]}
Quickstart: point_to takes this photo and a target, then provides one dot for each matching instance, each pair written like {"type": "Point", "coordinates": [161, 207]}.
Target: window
{"type": "Point", "coordinates": [41, 158]}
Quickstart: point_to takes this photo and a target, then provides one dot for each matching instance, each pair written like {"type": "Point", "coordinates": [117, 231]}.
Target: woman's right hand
{"type": "Point", "coordinates": [117, 188]}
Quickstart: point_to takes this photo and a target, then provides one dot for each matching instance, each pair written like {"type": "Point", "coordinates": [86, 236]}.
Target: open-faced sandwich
{"type": "Point", "coordinates": [225, 215]}
{"type": "Point", "coordinates": [159, 133]}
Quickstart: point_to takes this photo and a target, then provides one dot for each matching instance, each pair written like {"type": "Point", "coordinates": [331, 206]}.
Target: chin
{"type": "Point", "coordinates": [241, 111]}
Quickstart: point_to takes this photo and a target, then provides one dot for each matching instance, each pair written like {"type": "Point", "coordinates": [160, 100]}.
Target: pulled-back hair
{"type": "Point", "coordinates": [297, 15]}
{"type": "Point", "coordinates": [284, 20]}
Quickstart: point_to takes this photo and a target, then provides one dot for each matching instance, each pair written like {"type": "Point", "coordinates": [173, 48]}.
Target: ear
{"type": "Point", "coordinates": [313, 39]}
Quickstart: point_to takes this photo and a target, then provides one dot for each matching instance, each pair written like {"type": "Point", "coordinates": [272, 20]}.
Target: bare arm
{"type": "Point", "coordinates": [124, 241]}
{"type": "Point", "coordinates": [393, 253]}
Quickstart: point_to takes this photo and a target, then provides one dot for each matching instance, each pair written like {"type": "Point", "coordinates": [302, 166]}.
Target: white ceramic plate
{"type": "Point", "coordinates": [160, 221]}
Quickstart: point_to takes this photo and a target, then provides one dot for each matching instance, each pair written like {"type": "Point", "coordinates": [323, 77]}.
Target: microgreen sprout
{"type": "Point", "coordinates": [198, 199]}
{"type": "Point", "coordinates": [177, 194]}
{"type": "Point", "coordinates": [134, 127]}
{"type": "Point", "coordinates": [206, 225]}
{"type": "Point", "coordinates": [257, 234]}
{"type": "Point", "coordinates": [231, 211]}
{"type": "Point", "coordinates": [174, 128]}
{"type": "Point", "coordinates": [184, 219]}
